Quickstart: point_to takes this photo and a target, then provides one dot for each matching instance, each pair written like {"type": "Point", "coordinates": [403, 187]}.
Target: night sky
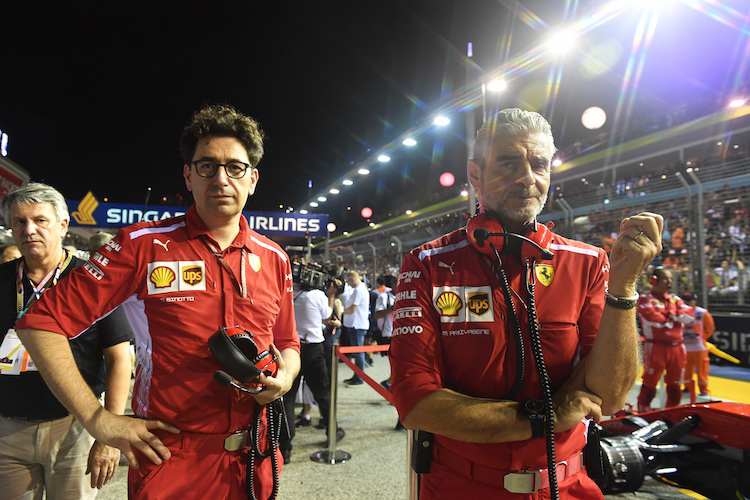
{"type": "Point", "coordinates": [94, 95]}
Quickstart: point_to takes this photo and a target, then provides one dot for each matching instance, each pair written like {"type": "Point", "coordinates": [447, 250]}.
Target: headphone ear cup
{"type": "Point", "coordinates": [235, 355]}
{"type": "Point", "coordinates": [539, 234]}
{"type": "Point", "coordinates": [654, 278]}
{"type": "Point", "coordinates": [481, 221]}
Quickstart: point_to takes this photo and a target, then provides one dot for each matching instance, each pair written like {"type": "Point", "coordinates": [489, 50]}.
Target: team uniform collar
{"type": "Point", "coordinates": [196, 228]}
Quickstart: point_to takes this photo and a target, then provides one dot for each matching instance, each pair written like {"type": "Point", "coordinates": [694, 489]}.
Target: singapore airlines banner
{"type": "Point", "coordinates": [89, 212]}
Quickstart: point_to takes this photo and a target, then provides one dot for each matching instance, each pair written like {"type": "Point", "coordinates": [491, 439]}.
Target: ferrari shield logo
{"type": "Point", "coordinates": [545, 273]}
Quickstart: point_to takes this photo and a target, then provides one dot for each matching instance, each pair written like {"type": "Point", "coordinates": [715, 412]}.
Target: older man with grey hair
{"type": "Point", "coordinates": [44, 449]}
{"type": "Point", "coordinates": [508, 338]}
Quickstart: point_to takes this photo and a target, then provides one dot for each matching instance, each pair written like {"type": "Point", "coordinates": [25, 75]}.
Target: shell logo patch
{"type": "Point", "coordinates": [478, 303]}
{"type": "Point", "coordinates": [162, 277]}
{"type": "Point", "coordinates": [463, 304]}
{"type": "Point", "coordinates": [192, 275]}
{"type": "Point", "coordinates": [449, 304]}
{"type": "Point", "coordinates": [254, 262]}
{"type": "Point", "coordinates": [545, 274]}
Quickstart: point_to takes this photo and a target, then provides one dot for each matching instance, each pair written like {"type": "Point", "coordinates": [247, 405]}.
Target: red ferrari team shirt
{"type": "Point", "coordinates": [452, 330]}
{"type": "Point", "coordinates": [176, 295]}
{"type": "Point", "coordinates": [663, 316]}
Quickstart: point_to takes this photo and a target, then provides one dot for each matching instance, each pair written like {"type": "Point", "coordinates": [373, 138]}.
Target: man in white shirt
{"type": "Point", "coordinates": [356, 320]}
{"type": "Point", "coordinates": [384, 315]}
{"type": "Point", "coordinates": [312, 307]}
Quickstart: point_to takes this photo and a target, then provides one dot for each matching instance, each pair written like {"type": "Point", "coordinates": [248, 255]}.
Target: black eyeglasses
{"type": "Point", "coordinates": [208, 168]}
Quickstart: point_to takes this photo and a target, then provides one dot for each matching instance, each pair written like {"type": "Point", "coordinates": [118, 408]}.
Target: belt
{"type": "Point", "coordinates": [522, 481]}
{"type": "Point", "coordinates": [35, 421]}
{"type": "Point", "coordinates": [236, 441]}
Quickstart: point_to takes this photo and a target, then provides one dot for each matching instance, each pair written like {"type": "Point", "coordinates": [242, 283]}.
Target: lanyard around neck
{"type": "Point", "coordinates": [51, 279]}
{"type": "Point", "coordinates": [241, 284]}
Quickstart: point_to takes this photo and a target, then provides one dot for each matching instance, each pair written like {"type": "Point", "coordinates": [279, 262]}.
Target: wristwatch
{"type": "Point", "coordinates": [535, 409]}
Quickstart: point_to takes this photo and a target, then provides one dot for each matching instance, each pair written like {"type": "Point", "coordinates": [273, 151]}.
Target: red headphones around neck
{"type": "Point", "coordinates": [484, 231]}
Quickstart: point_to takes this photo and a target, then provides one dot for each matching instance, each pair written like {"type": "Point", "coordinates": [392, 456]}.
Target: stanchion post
{"type": "Point", "coordinates": [331, 456]}
{"type": "Point", "coordinates": [412, 478]}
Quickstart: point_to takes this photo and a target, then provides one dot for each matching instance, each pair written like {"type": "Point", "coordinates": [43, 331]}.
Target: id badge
{"type": "Point", "coordinates": [14, 359]}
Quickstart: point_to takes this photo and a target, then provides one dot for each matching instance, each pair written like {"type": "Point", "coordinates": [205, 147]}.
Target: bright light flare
{"type": "Point", "coordinates": [334, 191]}
{"type": "Point", "coordinates": [347, 182]}
{"type": "Point", "coordinates": [409, 142]}
{"type": "Point", "coordinates": [562, 40]}
{"type": "Point", "coordinates": [447, 179]}
{"type": "Point", "coordinates": [363, 171]}
{"type": "Point", "coordinates": [441, 121]}
{"type": "Point", "coordinates": [594, 118]}
{"type": "Point", "coordinates": [497, 85]}
{"type": "Point", "coordinates": [556, 162]}
{"type": "Point", "coordinates": [384, 158]}
{"type": "Point", "coordinates": [314, 204]}
{"type": "Point", "coordinates": [322, 199]}
{"type": "Point", "coordinates": [331, 227]}
{"type": "Point", "coordinates": [737, 103]}
{"type": "Point", "coordinates": [366, 212]}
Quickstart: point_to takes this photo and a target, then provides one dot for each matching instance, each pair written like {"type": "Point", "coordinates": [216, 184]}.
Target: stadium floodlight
{"type": "Point", "coordinates": [334, 191]}
{"type": "Point", "coordinates": [314, 204]}
{"type": "Point", "coordinates": [409, 142]}
{"type": "Point", "coordinates": [363, 171]}
{"type": "Point", "coordinates": [322, 199]}
{"type": "Point", "coordinates": [384, 158]}
{"type": "Point", "coordinates": [303, 211]}
{"type": "Point", "coordinates": [497, 85]}
{"type": "Point", "coordinates": [441, 121]}
{"type": "Point", "coordinates": [347, 182]}
{"type": "Point", "coordinates": [561, 40]}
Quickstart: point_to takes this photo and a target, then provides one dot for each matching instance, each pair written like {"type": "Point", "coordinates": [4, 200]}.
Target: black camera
{"type": "Point", "coordinates": [314, 276]}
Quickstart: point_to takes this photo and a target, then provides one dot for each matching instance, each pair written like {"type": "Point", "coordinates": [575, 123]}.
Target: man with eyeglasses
{"type": "Point", "coordinates": [181, 280]}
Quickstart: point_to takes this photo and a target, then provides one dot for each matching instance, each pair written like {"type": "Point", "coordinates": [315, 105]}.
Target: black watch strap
{"type": "Point", "coordinates": [535, 410]}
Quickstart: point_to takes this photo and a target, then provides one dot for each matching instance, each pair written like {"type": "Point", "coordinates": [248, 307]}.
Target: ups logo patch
{"type": "Point", "coordinates": [192, 275]}
{"type": "Point", "coordinates": [478, 303]}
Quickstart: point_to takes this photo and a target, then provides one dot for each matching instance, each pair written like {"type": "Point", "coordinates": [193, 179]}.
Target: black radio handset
{"type": "Point", "coordinates": [536, 351]}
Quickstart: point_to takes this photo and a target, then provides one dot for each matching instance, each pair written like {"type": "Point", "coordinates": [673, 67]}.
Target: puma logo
{"type": "Point", "coordinates": [450, 268]}
{"type": "Point", "coordinates": [162, 244]}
